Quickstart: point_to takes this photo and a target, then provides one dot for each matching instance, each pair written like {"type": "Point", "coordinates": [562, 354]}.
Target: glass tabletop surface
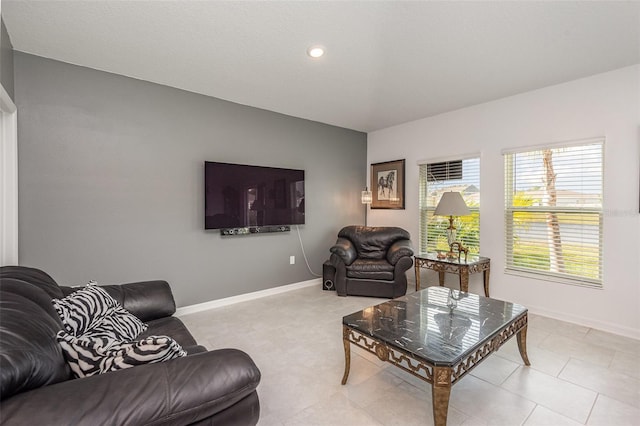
{"type": "Point", "coordinates": [422, 324]}
{"type": "Point", "coordinates": [471, 259]}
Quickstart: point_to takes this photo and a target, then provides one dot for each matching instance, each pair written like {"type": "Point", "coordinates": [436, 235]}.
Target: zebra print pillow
{"type": "Point", "coordinates": [88, 356]}
{"type": "Point", "coordinates": [91, 311]}
{"type": "Point", "coordinates": [119, 324]}
{"type": "Point", "coordinates": [83, 309]}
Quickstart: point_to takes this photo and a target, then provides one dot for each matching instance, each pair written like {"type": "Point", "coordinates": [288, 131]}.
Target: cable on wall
{"type": "Point", "coordinates": [305, 255]}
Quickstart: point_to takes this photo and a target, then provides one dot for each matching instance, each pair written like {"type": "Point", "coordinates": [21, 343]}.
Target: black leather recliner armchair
{"type": "Point", "coordinates": [371, 261]}
{"type": "Point", "coordinates": [37, 387]}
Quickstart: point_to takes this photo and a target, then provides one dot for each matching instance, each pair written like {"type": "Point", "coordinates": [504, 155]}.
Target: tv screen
{"type": "Point", "coordinates": [239, 196]}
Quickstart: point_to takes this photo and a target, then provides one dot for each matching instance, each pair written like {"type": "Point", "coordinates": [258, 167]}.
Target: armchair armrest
{"type": "Point", "coordinates": [181, 391]}
{"type": "Point", "coordinates": [148, 300]}
{"type": "Point", "coordinates": [345, 250]}
{"type": "Point", "coordinates": [398, 250]}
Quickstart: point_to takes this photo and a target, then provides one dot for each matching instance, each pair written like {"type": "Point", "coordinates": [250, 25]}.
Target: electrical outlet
{"type": "Point", "coordinates": [292, 260]}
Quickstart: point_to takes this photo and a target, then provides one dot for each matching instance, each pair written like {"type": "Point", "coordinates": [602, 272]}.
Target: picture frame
{"type": "Point", "coordinates": [387, 185]}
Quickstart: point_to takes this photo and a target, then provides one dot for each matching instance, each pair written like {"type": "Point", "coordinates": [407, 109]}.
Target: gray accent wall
{"type": "Point", "coordinates": [111, 183]}
{"type": "Point", "coordinates": [6, 60]}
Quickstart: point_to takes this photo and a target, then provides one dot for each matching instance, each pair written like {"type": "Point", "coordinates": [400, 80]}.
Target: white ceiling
{"type": "Point", "coordinates": [387, 62]}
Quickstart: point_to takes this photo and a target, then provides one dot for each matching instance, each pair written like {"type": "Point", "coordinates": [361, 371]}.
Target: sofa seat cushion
{"type": "Point", "coordinates": [170, 326]}
{"type": "Point", "coordinates": [373, 269]}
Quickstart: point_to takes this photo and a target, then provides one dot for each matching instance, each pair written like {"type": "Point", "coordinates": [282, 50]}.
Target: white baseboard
{"type": "Point", "coordinates": [185, 310]}
{"type": "Point", "coordinates": [631, 332]}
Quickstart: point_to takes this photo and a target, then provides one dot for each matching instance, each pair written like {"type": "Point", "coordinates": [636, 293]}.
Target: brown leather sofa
{"type": "Point", "coordinates": [37, 387]}
{"type": "Point", "coordinates": [372, 261]}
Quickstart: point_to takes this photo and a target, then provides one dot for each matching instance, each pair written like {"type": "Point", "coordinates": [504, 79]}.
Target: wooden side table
{"type": "Point", "coordinates": [463, 269]}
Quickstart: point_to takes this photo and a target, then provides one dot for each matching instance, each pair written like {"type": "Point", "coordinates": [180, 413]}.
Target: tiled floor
{"type": "Point", "coordinates": [577, 376]}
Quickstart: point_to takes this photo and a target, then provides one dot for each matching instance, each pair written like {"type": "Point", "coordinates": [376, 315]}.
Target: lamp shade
{"type": "Point", "coordinates": [452, 204]}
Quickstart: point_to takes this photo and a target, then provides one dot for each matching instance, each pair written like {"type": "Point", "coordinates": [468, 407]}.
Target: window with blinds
{"type": "Point", "coordinates": [553, 212]}
{"type": "Point", "coordinates": [461, 175]}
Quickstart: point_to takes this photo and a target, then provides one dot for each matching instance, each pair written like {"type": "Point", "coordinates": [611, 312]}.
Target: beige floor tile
{"type": "Point", "coordinates": [405, 406]}
{"type": "Point", "coordinates": [613, 341]}
{"type": "Point", "coordinates": [555, 394]}
{"type": "Point", "coordinates": [409, 378]}
{"type": "Point", "coordinates": [543, 360]}
{"type": "Point", "coordinates": [609, 412]}
{"type": "Point", "coordinates": [360, 370]}
{"type": "Point", "coordinates": [557, 327]}
{"type": "Point", "coordinates": [269, 420]}
{"type": "Point", "coordinates": [495, 369]}
{"type": "Point", "coordinates": [579, 349]}
{"type": "Point", "coordinates": [534, 336]}
{"type": "Point", "coordinates": [334, 410]}
{"type": "Point", "coordinates": [542, 416]}
{"type": "Point", "coordinates": [477, 398]}
{"type": "Point", "coordinates": [372, 389]}
{"type": "Point", "coordinates": [284, 395]}
{"type": "Point", "coordinates": [474, 421]}
{"type": "Point", "coordinates": [615, 385]}
{"type": "Point", "coordinates": [626, 363]}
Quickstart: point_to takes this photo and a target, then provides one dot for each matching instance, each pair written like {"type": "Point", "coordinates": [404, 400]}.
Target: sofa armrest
{"type": "Point", "coordinates": [398, 250]}
{"type": "Point", "coordinates": [148, 300]}
{"type": "Point", "coordinates": [181, 391]}
{"type": "Point", "coordinates": [345, 250]}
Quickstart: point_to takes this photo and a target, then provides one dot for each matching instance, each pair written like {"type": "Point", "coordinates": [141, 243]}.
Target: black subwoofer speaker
{"type": "Point", "coordinates": [328, 275]}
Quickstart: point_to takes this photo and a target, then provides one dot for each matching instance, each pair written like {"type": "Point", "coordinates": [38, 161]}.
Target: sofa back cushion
{"type": "Point", "coordinates": [30, 355]}
{"type": "Point", "coordinates": [147, 300]}
{"type": "Point", "coordinates": [33, 276]}
{"type": "Point", "coordinates": [372, 242]}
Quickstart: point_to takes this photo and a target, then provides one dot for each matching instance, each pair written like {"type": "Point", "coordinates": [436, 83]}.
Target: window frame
{"type": "Point", "coordinates": [510, 210]}
{"type": "Point", "coordinates": [426, 211]}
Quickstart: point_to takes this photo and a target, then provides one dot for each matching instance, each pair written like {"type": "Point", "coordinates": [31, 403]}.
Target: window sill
{"type": "Point", "coordinates": [551, 278]}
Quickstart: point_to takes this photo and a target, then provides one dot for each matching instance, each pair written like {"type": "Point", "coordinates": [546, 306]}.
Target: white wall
{"type": "Point", "coordinates": [602, 105]}
{"type": "Point", "coordinates": [8, 180]}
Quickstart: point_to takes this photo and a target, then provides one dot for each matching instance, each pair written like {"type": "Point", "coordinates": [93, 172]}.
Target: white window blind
{"type": "Point", "coordinates": [553, 212]}
{"type": "Point", "coordinates": [436, 178]}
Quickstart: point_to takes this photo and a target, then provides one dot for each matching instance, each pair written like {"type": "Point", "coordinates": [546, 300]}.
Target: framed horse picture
{"type": "Point", "coordinates": [387, 185]}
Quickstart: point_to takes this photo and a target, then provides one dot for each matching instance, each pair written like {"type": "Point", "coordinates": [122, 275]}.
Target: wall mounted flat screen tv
{"type": "Point", "coordinates": [238, 195]}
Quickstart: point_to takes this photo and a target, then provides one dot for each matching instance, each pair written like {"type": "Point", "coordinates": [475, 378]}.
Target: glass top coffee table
{"type": "Point", "coordinates": [436, 334]}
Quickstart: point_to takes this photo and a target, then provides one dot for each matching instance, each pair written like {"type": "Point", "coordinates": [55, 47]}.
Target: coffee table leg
{"type": "Point", "coordinates": [522, 345]}
{"type": "Point", "coordinates": [347, 354]}
{"type": "Point", "coordinates": [441, 389]}
{"type": "Point", "coordinates": [417, 268]}
{"type": "Point", "coordinates": [441, 278]}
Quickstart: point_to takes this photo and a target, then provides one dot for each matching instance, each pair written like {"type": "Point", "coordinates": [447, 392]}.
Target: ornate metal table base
{"type": "Point", "coordinates": [441, 378]}
{"type": "Point", "coordinates": [461, 268]}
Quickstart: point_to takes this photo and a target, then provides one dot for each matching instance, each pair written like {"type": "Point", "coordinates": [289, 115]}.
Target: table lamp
{"type": "Point", "coordinates": [451, 204]}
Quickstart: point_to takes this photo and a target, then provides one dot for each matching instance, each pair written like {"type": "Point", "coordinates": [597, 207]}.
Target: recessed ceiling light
{"type": "Point", "coordinates": [315, 51]}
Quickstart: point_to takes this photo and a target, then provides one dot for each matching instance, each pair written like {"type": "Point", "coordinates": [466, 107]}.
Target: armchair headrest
{"type": "Point", "coordinates": [372, 242]}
